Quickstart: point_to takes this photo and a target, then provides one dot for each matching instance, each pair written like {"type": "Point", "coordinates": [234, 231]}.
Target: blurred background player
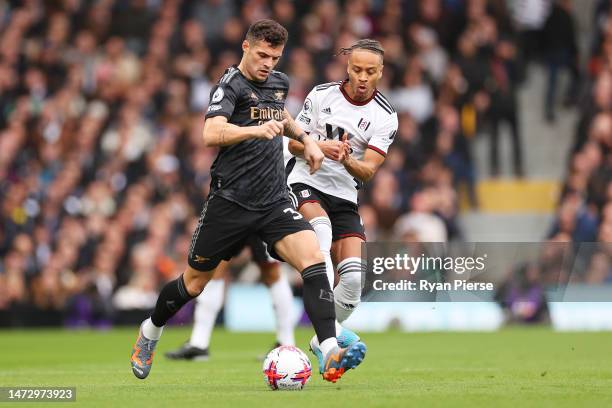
{"type": "Point", "coordinates": [210, 302]}
{"type": "Point", "coordinates": [354, 125]}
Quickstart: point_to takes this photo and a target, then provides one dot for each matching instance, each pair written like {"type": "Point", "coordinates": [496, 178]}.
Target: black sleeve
{"type": "Point", "coordinates": [285, 79]}
{"type": "Point", "coordinates": [223, 99]}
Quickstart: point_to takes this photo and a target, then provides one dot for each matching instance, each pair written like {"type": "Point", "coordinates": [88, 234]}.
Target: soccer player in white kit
{"type": "Point", "coordinates": [354, 124]}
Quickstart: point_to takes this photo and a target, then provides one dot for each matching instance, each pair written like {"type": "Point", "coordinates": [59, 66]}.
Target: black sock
{"type": "Point", "coordinates": [173, 296]}
{"type": "Point", "coordinates": [319, 301]}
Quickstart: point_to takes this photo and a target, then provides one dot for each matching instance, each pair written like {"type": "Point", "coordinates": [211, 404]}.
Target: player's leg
{"type": "Point", "coordinates": [280, 291]}
{"type": "Point", "coordinates": [292, 239]}
{"type": "Point", "coordinates": [346, 250]}
{"type": "Point", "coordinates": [300, 250]}
{"type": "Point", "coordinates": [348, 235]}
{"type": "Point", "coordinates": [207, 307]}
{"type": "Point", "coordinates": [173, 296]}
{"type": "Point", "coordinates": [347, 294]}
{"type": "Point", "coordinates": [220, 230]}
{"type": "Point", "coordinates": [309, 204]}
{"type": "Point", "coordinates": [282, 301]}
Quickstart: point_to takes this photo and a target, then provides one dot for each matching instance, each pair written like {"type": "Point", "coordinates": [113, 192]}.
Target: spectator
{"type": "Point", "coordinates": [523, 297]}
{"type": "Point", "coordinates": [415, 96]}
{"type": "Point", "coordinates": [530, 17]}
{"type": "Point", "coordinates": [102, 169]}
{"type": "Point", "coordinates": [561, 52]}
{"type": "Point", "coordinates": [504, 106]}
{"type": "Point", "coordinates": [421, 222]}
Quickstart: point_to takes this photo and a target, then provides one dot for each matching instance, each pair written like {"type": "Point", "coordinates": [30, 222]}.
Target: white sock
{"type": "Point", "coordinates": [208, 304]}
{"type": "Point", "coordinates": [328, 345]}
{"type": "Point", "coordinates": [282, 302]}
{"type": "Point", "coordinates": [347, 295]}
{"type": "Point", "coordinates": [338, 328]}
{"type": "Point", "coordinates": [323, 228]}
{"type": "Point", "coordinates": [315, 340]}
{"type": "Point", "coordinates": [151, 331]}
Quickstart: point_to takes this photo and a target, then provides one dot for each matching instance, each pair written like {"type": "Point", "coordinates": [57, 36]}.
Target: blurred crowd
{"type": "Point", "coordinates": [103, 173]}
{"type": "Point", "coordinates": [585, 206]}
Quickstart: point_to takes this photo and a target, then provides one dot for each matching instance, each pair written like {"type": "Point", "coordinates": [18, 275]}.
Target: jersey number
{"type": "Point", "coordinates": [335, 132]}
{"type": "Point", "coordinates": [296, 215]}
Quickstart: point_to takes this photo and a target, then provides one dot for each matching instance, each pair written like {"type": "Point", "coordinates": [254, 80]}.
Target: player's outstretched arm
{"type": "Point", "coordinates": [332, 149]}
{"type": "Point", "coordinates": [292, 130]}
{"type": "Point", "coordinates": [363, 169]}
{"type": "Point", "coordinates": [311, 151]}
{"type": "Point", "coordinates": [218, 132]}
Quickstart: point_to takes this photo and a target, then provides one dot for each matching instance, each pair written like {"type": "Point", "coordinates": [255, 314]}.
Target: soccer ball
{"type": "Point", "coordinates": [286, 368]}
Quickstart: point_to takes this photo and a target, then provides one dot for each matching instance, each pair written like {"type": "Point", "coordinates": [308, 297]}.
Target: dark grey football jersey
{"type": "Point", "coordinates": [249, 173]}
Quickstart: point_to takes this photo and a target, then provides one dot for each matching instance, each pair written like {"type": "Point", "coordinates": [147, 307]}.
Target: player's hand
{"type": "Point", "coordinates": [269, 130]}
{"type": "Point", "coordinates": [346, 148]}
{"type": "Point", "coordinates": [312, 154]}
{"type": "Point", "coordinates": [332, 149]}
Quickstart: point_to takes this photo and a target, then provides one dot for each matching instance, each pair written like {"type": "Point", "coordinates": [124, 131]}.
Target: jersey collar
{"type": "Point", "coordinates": [351, 100]}
{"type": "Point", "coordinates": [252, 80]}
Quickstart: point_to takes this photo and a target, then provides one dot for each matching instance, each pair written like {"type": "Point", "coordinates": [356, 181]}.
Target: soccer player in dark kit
{"type": "Point", "coordinates": [248, 195]}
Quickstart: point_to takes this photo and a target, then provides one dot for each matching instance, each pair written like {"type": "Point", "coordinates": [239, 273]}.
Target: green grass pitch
{"type": "Point", "coordinates": [514, 367]}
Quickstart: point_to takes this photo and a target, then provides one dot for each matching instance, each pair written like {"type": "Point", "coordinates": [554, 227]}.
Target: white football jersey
{"type": "Point", "coordinates": [328, 113]}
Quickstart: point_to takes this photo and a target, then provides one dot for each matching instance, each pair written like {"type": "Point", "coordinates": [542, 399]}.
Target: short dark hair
{"type": "Point", "coordinates": [364, 44]}
{"type": "Point", "coordinates": [269, 31]}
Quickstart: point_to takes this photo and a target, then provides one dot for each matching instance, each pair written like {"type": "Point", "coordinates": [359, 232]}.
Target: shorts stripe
{"type": "Point", "coordinates": [293, 198]}
{"type": "Point", "coordinates": [353, 234]}
{"type": "Point", "coordinates": [196, 233]}
{"type": "Point", "coordinates": [306, 202]}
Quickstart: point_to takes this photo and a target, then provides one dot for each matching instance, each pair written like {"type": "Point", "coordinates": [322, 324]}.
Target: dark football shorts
{"type": "Point", "coordinates": [343, 214]}
{"type": "Point", "coordinates": [259, 250]}
{"type": "Point", "coordinates": [225, 227]}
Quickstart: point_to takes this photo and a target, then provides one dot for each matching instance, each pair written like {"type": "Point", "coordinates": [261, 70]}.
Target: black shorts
{"type": "Point", "coordinates": [343, 214]}
{"type": "Point", "coordinates": [225, 227]}
{"type": "Point", "coordinates": [259, 250]}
